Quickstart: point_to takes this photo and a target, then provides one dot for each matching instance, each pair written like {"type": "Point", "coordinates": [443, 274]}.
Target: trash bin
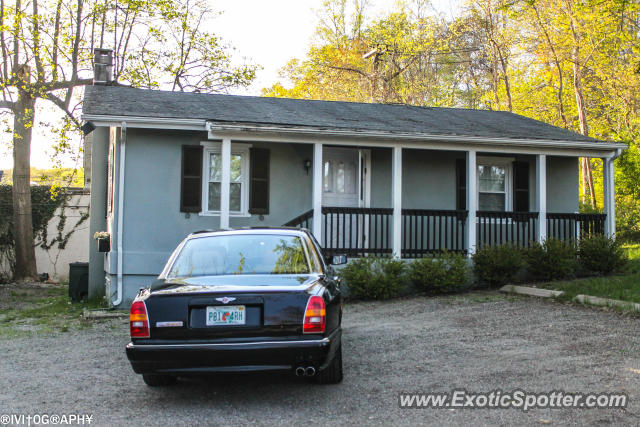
{"type": "Point", "coordinates": [78, 280]}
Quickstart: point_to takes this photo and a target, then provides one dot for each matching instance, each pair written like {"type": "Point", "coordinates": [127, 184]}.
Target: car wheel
{"type": "Point", "coordinates": [332, 374]}
{"type": "Point", "coordinates": [158, 380]}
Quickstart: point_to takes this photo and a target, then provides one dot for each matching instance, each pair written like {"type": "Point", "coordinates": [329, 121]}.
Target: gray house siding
{"type": "Point", "coordinates": [154, 225]}
{"type": "Point", "coordinates": [562, 184]}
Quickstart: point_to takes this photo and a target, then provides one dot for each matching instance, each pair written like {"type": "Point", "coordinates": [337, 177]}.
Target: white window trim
{"type": "Point", "coordinates": [215, 147]}
{"type": "Point", "coordinates": [507, 163]}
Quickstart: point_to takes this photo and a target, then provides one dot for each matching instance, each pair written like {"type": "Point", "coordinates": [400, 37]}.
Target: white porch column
{"type": "Point", "coordinates": [396, 185]}
{"type": "Point", "coordinates": [225, 184]}
{"type": "Point", "coordinates": [541, 196]}
{"type": "Point", "coordinates": [317, 192]}
{"type": "Point", "coordinates": [472, 202]}
{"type": "Point", "coordinates": [609, 196]}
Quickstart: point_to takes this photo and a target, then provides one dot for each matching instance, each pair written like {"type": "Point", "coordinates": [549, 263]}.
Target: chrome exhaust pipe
{"type": "Point", "coordinates": [300, 371]}
{"type": "Point", "coordinates": [310, 371]}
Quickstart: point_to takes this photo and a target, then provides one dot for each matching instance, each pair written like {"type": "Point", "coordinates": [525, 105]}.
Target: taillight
{"type": "Point", "coordinates": [139, 320]}
{"type": "Point", "coordinates": [314, 316]}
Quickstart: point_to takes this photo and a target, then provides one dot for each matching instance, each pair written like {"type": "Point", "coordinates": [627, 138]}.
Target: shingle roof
{"type": "Point", "coordinates": [125, 101]}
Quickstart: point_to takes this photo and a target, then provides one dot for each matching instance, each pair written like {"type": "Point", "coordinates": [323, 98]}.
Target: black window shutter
{"type": "Point", "coordinates": [461, 184]}
{"type": "Point", "coordinates": [259, 181]}
{"type": "Point", "coordinates": [191, 179]}
{"type": "Point", "coordinates": [521, 186]}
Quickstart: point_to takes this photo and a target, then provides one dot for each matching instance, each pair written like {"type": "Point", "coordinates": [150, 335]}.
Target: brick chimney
{"type": "Point", "coordinates": [102, 66]}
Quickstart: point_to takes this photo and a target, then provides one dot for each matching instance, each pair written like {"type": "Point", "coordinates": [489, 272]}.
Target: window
{"type": "Point", "coordinates": [242, 254]}
{"type": "Point", "coordinates": [494, 184]}
{"type": "Point", "coordinates": [238, 184]}
{"type": "Point", "coordinates": [339, 177]}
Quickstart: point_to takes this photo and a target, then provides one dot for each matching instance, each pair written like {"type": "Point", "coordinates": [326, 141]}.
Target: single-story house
{"type": "Point", "coordinates": [365, 178]}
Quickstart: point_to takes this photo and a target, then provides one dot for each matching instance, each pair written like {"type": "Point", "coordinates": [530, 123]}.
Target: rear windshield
{"type": "Point", "coordinates": [241, 254]}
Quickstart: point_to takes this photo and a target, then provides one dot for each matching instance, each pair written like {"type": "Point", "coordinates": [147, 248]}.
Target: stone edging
{"type": "Point", "coordinates": [583, 299]}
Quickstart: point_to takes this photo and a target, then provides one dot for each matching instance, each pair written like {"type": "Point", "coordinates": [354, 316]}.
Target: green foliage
{"type": "Point", "coordinates": [447, 272]}
{"type": "Point", "coordinates": [497, 265]}
{"type": "Point", "coordinates": [554, 259]}
{"type": "Point", "coordinates": [44, 203]}
{"type": "Point", "coordinates": [374, 277]}
{"type": "Point", "coordinates": [601, 255]}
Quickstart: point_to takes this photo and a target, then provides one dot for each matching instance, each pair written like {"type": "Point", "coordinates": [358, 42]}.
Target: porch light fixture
{"type": "Point", "coordinates": [87, 128]}
{"type": "Point", "coordinates": [307, 165]}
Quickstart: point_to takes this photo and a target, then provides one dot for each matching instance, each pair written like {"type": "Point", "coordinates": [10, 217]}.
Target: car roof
{"type": "Point", "coordinates": [291, 231]}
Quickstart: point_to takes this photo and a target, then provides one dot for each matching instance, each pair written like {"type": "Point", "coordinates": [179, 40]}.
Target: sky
{"type": "Point", "coordinates": [264, 32]}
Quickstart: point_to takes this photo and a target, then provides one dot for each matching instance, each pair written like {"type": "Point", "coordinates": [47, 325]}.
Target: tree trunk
{"type": "Point", "coordinates": [582, 117]}
{"type": "Point", "coordinates": [25, 269]}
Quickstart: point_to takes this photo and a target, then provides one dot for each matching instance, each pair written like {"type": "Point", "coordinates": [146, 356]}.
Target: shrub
{"type": "Point", "coordinates": [445, 273]}
{"type": "Point", "coordinates": [497, 265]}
{"type": "Point", "coordinates": [554, 259]}
{"type": "Point", "coordinates": [374, 277]}
{"type": "Point", "coordinates": [601, 254]}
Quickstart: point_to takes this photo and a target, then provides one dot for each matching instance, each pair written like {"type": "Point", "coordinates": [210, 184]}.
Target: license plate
{"type": "Point", "coordinates": [227, 315]}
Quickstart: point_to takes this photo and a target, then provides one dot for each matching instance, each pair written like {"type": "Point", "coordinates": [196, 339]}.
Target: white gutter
{"type": "Point", "coordinates": [123, 139]}
{"type": "Point", "coordinates": [146, 122]}
{"type": "Point", "coordinates": [215, 127]}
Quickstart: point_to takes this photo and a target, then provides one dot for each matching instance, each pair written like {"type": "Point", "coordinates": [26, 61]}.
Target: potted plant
{"type": "Point", "coordinates": [104, 241]}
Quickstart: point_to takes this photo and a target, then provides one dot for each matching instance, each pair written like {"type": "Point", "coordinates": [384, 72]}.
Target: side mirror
{"type": "Point", "coordinates": [338, 259]}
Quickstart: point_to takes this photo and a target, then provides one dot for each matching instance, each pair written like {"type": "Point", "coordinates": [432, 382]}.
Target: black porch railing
{"type": "Point", "coordinates": [572, 226]}
{"type": "Point", "coordinates": [359, 232]}
{"type": "Point", "coordinates": [304, 220]}
{"type": "Point", "coordinates": [356, 231]}
{"type": "Point", "coordinates": [426, 231]}
{"type": "Point", "coordinates": [497, 228]}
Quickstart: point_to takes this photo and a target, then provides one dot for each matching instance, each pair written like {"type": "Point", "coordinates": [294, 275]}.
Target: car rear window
{"type": "Point", "coordinates": [241, 254]}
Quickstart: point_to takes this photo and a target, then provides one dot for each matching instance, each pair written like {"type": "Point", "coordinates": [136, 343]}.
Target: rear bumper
{"type": "Point", "coordinates": [258, 355]}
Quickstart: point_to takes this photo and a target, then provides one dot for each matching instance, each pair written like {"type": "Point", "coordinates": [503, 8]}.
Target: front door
{"type": "Point", "coordinates": [340, 177]}
{"type": "Point", "coordinates": [345, 184]}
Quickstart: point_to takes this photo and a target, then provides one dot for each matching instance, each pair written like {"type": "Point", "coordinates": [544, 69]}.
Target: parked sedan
{"type": "Point", "coordinates": [240, 301]}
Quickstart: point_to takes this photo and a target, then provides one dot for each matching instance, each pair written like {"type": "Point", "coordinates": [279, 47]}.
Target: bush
{"type": "Point", "coordinates": [601, 255]}
{"type": "Point", "coordinates": [554, 259]}
{"type": "Point", "coordinates": [497, 265]}
{"type": "Point", "coordinates": [445, 273]}
{"type": "Point", "coordinates": [374, 277]}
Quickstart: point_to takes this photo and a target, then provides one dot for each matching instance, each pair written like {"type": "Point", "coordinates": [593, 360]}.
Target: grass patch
{"type": "Point", "coordinates": [624, 287]}
{"type": "Point", "coordinates": [31, 310]}
{"type": "Point", "coordinates": [633, 250]}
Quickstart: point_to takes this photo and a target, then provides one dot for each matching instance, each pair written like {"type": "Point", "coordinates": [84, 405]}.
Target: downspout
{"type": "Point", "coordinates": [123, 139]}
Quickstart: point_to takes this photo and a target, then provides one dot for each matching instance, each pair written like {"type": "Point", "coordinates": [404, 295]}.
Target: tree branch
{"type": "Point", "coordinates": [65, 84]}
{"type": "Point", "coordinates": [64, 107]}
{"type": "Point", "coordinates": [7, 104]}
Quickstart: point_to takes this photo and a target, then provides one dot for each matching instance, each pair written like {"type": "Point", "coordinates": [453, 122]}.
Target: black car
{"type": "Point", "coordinates": [240, 301]}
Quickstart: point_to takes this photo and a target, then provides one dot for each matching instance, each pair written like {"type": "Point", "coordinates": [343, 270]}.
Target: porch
{"type": "Point", "coordinates": [360, 232]}
{"type": "Point", "coordinates": [409, 199]}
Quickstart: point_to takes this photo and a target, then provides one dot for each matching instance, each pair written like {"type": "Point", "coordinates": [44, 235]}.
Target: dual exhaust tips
{"type": "Point", "coordinates": [301, 371]}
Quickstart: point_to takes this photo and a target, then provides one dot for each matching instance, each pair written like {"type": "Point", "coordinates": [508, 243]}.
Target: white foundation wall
{"type": "Point", "coordinates": [55, 261]}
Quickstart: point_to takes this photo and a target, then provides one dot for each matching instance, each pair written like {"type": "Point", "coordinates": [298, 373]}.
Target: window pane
{"type": "Point", "coordinates": [327, 177]}
{"type": "Point", "coordinates": [214, 196]}
{"type": "Point", "coordinates": [491, 202]}
{"type": "Point", "coordinates": [235, 197]}
{"type": "Point", "coordinates": [215, 167]}
{"type": "Point", "coordinates": [241, 254]}
{"type": "Point", "coordinates": [340, 178]}
{"type": "Point", "coordinates": [350, 178]}
{"type": "Point", "coordinates": [236, 168]}
{"type": "Point", "coordinates": [491, 178]}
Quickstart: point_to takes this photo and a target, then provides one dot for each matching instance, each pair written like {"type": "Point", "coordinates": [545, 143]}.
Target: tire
{"type": "Point", "coordinates": [332, 374]}
{"type": "Point", "coordinates": [158, 380]}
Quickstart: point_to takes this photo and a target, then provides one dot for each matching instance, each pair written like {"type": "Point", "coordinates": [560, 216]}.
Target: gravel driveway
{"type": "Point", "coordinates": [479, 342]}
